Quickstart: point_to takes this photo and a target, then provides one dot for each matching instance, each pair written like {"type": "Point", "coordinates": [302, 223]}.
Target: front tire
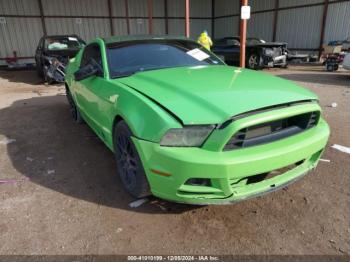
{"type": "Point", "coordinates": [254, 61]}
{"type": "Point", "coordinates": [129, 165]}
{"type": "Point", "coordinates": [73, 108]}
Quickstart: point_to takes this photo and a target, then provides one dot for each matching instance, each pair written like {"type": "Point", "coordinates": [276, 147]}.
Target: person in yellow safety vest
{"type": "Point", "coordinates": [205, 40]}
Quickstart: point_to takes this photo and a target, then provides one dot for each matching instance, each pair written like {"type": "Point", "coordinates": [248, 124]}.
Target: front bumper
{"type": "Point", "coordinates": [270, 61]}
{"type": "Point", "coordinates": [228, 171]}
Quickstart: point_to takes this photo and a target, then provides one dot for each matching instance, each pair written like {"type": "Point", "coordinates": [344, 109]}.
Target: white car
{"type": "Point", "coordinates": [346, 62]}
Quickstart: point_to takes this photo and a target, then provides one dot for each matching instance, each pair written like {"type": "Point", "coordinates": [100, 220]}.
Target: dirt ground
{"type": "Point", "coordinates": [67, 198]}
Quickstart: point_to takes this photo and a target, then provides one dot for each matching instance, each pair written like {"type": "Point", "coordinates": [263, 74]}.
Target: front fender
{"type": "Point", "coordinates": [146, 119]}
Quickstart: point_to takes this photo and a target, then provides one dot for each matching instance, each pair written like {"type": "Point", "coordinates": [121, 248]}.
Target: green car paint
{"type": "Point", "coordinates": [154, 102]}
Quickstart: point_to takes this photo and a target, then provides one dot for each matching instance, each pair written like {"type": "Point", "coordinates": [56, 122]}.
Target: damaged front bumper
{"type": "Point", "coordinates": [233, 175]}
{"type": "Point", "coordinates": [270, 61]}
{"type": "Point", "coordinates": [54, 69]}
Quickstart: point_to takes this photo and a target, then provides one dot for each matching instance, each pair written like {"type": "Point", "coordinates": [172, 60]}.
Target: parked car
{"type": "Point", "coordinates": [259, 53]}
{"type": "Point", "coordinates": [53, 53]}
{"type": "Point", "coordinates": [186, 127]}
{"type": "Point", "coordinates": [346, 62]}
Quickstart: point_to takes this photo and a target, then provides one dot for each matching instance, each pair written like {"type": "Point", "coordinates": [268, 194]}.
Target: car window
{"type": "Point", "coordinates": [63, 43]}
{"type": "Point", "coordinates": [255, 41]}
{"type": "Point", "coordinates": [232, 41]}
{"type": "Point", "coordinates": [91, 51]}
{"type": "Point", "coordinates": [129, 58]}
{"type": "Point", "coordinates": [227, 41]}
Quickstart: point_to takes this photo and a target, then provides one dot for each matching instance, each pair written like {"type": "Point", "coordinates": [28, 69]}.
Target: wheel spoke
{"type": "Point", "coordinates": [127, 164]}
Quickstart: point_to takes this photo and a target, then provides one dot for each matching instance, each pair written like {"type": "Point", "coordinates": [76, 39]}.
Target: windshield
{"type": "Point", "coordinates": [254, 41]}
{"type": "Point", "coordinates": [63, 43]}
{"type": "Point", "coordinates": [126, 59]}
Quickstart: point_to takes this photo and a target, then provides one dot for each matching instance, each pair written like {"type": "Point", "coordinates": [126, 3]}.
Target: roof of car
{"type": "Point", "coordinates": [56, 36]}
{"type": "Point", "coordinates": [118, 39]}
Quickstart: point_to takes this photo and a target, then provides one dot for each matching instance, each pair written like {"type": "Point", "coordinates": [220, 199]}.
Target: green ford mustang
{"type": "Point", "coordinates": [186, 127]}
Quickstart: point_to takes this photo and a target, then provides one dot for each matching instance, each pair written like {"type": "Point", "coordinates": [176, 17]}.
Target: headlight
{"type": "Point", "coordinates": [269, 52]}
{"type": "Point", "coordinates": [189, 136]}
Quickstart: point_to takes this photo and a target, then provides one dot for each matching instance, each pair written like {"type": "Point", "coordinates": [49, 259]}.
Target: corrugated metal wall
{"type": "Point", "coordinates": [261, 25]}
{"type": "Point", "coordinates": [306, 29]}
{"type": "Point", "coordinates": [299, 26]}
{"type": "Point", "coordinates": [338, 22]}
{"type": "Point", "coordinates": [289, 3]}
{"type": "Point", "coordinates": [90, 18]}
{"type": "Point", "coordinates": [21, 35]}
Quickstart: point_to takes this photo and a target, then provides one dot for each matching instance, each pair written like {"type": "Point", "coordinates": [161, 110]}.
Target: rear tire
{"type": "Point", "coordinates": [129, 165]}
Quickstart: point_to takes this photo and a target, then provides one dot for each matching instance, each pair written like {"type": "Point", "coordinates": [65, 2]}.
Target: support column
{"type": "Point", "coordinates": [323, 26]}
{"type": "Point", "coordinates": [243, 37]}
{"type": "Point", "coordinates": [150, 17]}
{"type": "Point", "coordinates": [127, 16]}
{"type": "Point", "coordinates": [41, 10]}
{"type": "Point", "coordinates": [187, 18]}
{"type": "Point", "coordinates": [213, 19]}
{"type": "Point", "coordinates": [275, 20]}
{"type": "Point", "coordinates": [110, 17]}
{"type": "Point", "coordinates": [166, 16]}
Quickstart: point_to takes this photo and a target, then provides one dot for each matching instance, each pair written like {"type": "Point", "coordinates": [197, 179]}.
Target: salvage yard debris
{"type": "Point", "coordinates": [343, 149]}
{"type": "Point", "coordinates": [138, 202]}
{"type": "Point", "coordinates": [7, 141]}
{"type": "Point", "coordinates": [50, 172]}
{"type": "Point", "coordinates": [13, 181]}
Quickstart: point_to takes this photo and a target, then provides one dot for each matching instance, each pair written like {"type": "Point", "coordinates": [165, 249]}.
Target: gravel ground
{"type": "Point", "coordinates": [67, 198]}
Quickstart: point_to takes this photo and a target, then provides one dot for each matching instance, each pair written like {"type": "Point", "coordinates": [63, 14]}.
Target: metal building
{"type": "Point", "coordinates": [305, 25]}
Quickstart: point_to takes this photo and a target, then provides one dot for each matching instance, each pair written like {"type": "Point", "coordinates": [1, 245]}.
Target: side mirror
{"type": "Point", "coordinates": [91, 69]}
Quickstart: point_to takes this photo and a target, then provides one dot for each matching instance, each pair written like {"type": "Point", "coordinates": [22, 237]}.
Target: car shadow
{"type": "Point", "coordinates": [54, 152]}
{"type": "Point", "coordinates": [22, 76]}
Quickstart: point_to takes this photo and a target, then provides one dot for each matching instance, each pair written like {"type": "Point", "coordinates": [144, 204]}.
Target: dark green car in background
{"type": "Point", "coordinates": [186, 127]}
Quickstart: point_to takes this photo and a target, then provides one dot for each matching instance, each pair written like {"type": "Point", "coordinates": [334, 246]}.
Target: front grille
{"type": "Point", "coordinates": [277, 51]}
{"type": "Point", "coordinates": [265, 176]}
{"type": "Point", "coordinates": [272, 131]}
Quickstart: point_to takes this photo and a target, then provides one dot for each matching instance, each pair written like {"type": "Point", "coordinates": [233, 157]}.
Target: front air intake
{"type": "Point", "coordinates": [272, 131]}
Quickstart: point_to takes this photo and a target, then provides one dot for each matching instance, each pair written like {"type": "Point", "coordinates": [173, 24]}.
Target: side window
{"type": "Point", "coordinates": [91, 51]}
{"type": "Point", "coordinates": [232, 41]}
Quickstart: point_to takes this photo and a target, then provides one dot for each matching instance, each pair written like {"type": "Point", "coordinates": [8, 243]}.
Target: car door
{"type": "Point", "coordinates": [93, 94]}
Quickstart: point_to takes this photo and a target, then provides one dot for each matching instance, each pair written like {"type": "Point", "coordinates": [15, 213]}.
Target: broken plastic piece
{"type": "Point", "coordinates": [138, 202]}
{"type": "Point", "coordinates": [343, 149]}
{"type": "Point", "coordinates": [7, 141]}
{"type": "Point", "coordinates": [12, 181]}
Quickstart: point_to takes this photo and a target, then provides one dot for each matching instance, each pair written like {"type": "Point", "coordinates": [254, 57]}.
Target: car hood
{"type": "Point", "coordinates": [213, 94]}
